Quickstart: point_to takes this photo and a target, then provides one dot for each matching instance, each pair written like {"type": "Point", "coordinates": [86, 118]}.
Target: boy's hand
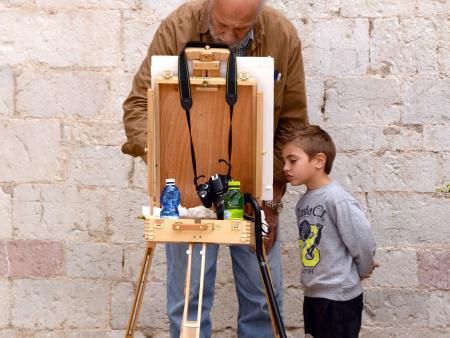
{"type": "Point", "coordinates": [375, 265]}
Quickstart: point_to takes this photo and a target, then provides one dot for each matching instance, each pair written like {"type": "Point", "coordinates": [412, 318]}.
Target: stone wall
{"type": "Point", "coordinates": [70, 246]}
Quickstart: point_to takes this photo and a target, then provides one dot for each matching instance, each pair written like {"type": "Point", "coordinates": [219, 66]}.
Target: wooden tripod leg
{"type": "Point", "coordinates": [140, 288]}
{"type": "Point", "coordinates": [191, 329]}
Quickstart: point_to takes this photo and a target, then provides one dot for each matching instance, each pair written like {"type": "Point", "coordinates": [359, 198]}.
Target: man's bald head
{"type": "Point", "coordinates": [231, 20]}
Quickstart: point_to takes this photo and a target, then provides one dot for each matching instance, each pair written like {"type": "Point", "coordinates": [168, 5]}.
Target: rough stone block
{"type": "Point", "coordinates": [62, 304]}
{"type": "Point", "coordinates": [398, 269]}
{"type": "Point", "coordinates": [34, 258]}
{"type": "Point", "coordinates": [434, 269]}
{"type": "Point", "coordinates": [161, 9]}
{"type": "Point", "coordinates": [5, 215]}
{"type": "Point", "coordinates": [433, 7]}
{"type": "Point", "coordinates": [60, 213]}
{"type": "Point", "coordinates": [4, 260]}
{"type": "Point", "coordinates": [440, 309]}
{"type": "Point", "coordinates": [315, 89]}
{"type": "Point", "coordinates": [396, 307]}
{"type": "Point", "coordinates": [411, 172]}
{"type": "Point", "coordinates": [121, 87]}
{"type": "Point", "coordinates": [227, 333]}
{"type": "Point", "coordinates": [436, 138]}
{"type": "Point", "coordinates": [124, 207]}
{"type": "Point", "coordinates": [356, 138]}
{"type": "Point", "coordinates": [62, 94]}
{"type": "Point", "coordinates": [153, 310]}
{"type": "Point", "coordinates": [291, 264]}
{"type": "Point", "coordinates": [5, 296]}
{"type": "Point", "coordinates": [99, 166]}
{"type": "Point", "coordinates": [139, 175]}
{"type": "Point", "coordinates": [83, 4]}
{"type": "Point", "coordinates": [444, 48]}
{"type": "Point", "coordinates": [301, 9]}
{"type": "Point", "coordinates": [225, 309]}
{"type": "Point", "coordinates": [134, 255]}
{"type": "Point", "coordinates": [370, 332]}
{"type": "Point", "coordinates": [293, 308]}
{"type": "Point", "coordinates": [36, 144]}
{"type": "Point", "coordinates": [403, 46]}
{"type": "Point", "coordinates": [372, 9]}
{"type": "Point", "coordinates": [355, 172]}
{"type": "Point", "coordinates": [336, 47]}
{"type": "Point", "coordinates": [94, 38]}
{"type": "Point", "coordinates": [7, 92]}
{"type": "Point", "coordinates": [93, 260]}
{"type": "Point", "coordinates": [446, 161]}
{"type": "Point", "coordinates": [403, 138]}
{"type": "Point", "coordinates": [138, 31]}
{"type": "Point", "coordinates": [426, 101]}
{"type": "Point", "coordinates": [101, 133]}
{"type": "Point", "coordinates": [398, 219]}
{"type": "Point", "coordinates": [8, 333]}
{"type": "Point", "coordinates": [362, 101]}
{"type": "Point", "coordinates": [17, 3]}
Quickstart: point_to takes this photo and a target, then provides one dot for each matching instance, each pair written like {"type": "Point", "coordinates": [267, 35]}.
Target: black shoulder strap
{"type": "Point", "coordinates": [186, 96]}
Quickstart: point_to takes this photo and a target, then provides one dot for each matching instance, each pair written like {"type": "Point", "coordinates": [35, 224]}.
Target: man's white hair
{"type": "Point", "coordinates": [260, 6]}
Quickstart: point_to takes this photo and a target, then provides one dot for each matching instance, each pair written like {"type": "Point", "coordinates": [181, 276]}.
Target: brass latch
{"type": "Point", "coordinates": [179, 226]}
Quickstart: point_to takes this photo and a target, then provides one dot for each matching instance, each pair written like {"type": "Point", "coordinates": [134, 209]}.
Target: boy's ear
{"type": "Point", "coordinates": [321, 160]}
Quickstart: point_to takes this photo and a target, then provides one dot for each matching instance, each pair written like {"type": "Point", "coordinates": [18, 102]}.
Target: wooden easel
{"type": "Point", "coordinates": [165, 129]}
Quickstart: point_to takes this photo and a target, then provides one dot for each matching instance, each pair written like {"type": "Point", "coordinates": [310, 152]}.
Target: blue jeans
{"type": "Point", "coordinates": [253, 316]}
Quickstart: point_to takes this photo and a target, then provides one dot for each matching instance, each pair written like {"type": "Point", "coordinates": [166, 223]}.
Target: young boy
{"type": "Point", "coordinates": [335, 239]}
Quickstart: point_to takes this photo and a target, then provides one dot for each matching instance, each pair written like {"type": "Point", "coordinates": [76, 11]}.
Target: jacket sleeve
{"type": "Point", "coordinates": [294, 108]}
{"type": "Point", "coordinates": [135, 106]}
{"type": "Point", "coordinates": [356, 234]}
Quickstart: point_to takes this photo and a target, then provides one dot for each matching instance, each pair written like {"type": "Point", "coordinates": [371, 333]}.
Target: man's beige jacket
{"type": "Point", "coordinates": [274, 35]}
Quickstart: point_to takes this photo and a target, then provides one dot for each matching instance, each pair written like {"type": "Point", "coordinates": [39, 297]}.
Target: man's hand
{"type": "Point", "coordinates": [367, 276]}
{"type": "Point", "coordinates": [272, 222]}
{"type": "Point", "coordinates": [272, 216]}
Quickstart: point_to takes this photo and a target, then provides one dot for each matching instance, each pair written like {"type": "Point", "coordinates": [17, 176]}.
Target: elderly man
{"type": "Point", "coordinates": [251, 28]}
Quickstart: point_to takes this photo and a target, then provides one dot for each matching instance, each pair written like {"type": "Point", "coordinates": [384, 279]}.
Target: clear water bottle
{"type": "Point", "coordinates": [170, 200]}
{"type": "Point", "coordinates": [234, 202]}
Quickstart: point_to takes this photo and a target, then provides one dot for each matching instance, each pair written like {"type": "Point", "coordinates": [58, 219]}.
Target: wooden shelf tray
{"type": "Point", "coordinates": [188, 230]}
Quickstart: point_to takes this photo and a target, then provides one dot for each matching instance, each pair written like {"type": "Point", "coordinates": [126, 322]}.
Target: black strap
{"type": "Point", "coordinates": [186, 96]}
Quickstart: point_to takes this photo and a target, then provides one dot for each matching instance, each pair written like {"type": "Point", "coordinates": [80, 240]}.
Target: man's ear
{"type": "Point", "coordinates": [321, 160]}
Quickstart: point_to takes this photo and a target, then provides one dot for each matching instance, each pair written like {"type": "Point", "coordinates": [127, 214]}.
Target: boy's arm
{"type": "Point", "coordinates": [357, 235]}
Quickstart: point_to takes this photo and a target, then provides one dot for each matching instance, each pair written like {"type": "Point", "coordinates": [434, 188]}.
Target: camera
{"type": "Point", "coordinates": [213, 192]}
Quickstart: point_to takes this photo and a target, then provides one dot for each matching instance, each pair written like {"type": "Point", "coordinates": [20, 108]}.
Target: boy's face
{"type": "Point", "coordinates": [298, 167]}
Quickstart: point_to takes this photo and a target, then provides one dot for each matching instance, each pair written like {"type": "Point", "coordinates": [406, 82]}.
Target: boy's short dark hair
{"type": "Point", "coordinates": [311, 139]}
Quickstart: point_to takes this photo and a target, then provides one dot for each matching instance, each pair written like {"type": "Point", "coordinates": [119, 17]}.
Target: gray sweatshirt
{"type": "Point", "coordinates": [336, 242]}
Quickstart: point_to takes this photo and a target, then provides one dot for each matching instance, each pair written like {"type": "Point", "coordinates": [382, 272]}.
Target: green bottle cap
{"type": "Point", "coordinates": [234, 184]}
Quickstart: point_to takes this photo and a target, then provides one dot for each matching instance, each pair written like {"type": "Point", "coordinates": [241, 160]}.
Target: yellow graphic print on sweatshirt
{"type": "Point", "coordinates": [309, 240]}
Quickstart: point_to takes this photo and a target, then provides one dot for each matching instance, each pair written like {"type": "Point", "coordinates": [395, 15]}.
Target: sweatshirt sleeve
{"type": "Point", "coordinates": [356, 234]}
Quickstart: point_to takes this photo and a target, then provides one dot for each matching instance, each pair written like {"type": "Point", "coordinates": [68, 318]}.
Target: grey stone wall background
{"type": "Point", "coordinates": [70, 246]}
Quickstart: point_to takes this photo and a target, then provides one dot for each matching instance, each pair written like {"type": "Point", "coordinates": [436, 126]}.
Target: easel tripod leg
{"type": "Point", "coordinates": [266, 291]}
{"type": "Point", "coordinates": [191, 329]}
{"type": "Point", "coordinates": [140, 288]}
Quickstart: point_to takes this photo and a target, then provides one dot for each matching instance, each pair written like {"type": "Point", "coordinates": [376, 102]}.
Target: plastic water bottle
{"type": "Point", "coordinates": [170, 200]}
{"type": "Point", "coordinates": [234, 202]}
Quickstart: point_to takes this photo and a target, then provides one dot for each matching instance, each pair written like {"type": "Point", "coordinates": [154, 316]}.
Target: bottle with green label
{"type": "Point", "coordinates": [234, 202]}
